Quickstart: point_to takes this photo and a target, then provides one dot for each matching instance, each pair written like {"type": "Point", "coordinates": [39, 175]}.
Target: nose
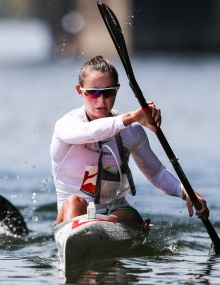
{"type": "Point", "coordinates": [101, 98]}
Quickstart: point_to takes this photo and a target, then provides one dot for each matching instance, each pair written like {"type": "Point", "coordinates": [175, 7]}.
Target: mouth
{"type": "Point", "coordinates": [101, 108]}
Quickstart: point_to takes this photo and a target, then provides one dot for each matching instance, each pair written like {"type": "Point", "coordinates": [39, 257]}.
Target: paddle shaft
{"type": "Point", "coordinates": [174, 160]}
{"type": "Point", "coordinates": [116, 34]}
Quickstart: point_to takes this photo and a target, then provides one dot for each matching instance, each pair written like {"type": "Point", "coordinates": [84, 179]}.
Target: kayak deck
{"type": "Point", "coordinates": [81, 239]}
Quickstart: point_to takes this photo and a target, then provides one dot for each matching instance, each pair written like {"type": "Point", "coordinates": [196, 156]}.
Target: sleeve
{"type": "Point", "coordinates": [74, 130]}
{"type": "Point", "coordinates": [152, 168]}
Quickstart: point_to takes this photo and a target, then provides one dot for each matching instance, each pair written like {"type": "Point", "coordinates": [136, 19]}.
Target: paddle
{"type": "Point", "coordinates": [11, 217]}
{"type": "Point", "coordinates": [116, 34]}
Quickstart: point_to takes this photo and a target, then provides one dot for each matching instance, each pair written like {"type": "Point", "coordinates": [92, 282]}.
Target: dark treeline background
{"type": "Point", "coordinates": [177, 25]}
{"type": "Point", "coordinates": [167, 25]}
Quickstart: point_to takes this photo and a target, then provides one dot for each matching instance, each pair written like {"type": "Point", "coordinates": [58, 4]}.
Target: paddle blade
{"type": "Point", "coordinates": [117, 36]}
{"type": "Point", "coordinates": [115, 32]}
{"type": "Point", "coordinates": [11, 217]}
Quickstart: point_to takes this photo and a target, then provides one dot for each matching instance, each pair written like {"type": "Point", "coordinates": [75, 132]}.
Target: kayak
{"type": "Point", "coordinates": [84, 239]}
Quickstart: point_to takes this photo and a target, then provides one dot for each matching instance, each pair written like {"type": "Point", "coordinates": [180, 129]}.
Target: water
{"type": "Point", "coordinates": [187, 90]}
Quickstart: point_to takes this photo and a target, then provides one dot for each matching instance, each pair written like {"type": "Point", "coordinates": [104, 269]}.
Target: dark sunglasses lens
{"type": "Point", "coordinates": [109, 93]}
{"type": "Point", "coordinates": [96, 93]}
{"type": "Point", "coordinates": [93, 93]}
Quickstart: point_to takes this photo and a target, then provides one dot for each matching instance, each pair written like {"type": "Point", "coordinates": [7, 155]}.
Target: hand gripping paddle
{"type": "Point", "coordinates": [116, 34]}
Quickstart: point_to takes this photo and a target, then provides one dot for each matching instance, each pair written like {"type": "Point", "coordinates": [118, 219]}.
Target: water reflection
{"type": "Point", "coordinates": [107, 272]}
{"type": "Point", "coordinates": [172, 270]}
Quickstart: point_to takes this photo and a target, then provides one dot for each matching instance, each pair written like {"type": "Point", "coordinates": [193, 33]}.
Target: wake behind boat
{"type": "Point", "coordinates": [84, 239]}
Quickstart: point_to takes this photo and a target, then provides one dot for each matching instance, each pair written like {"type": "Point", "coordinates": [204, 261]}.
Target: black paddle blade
{"type": "Point", "coordinates": [115, 32]}
{"type": "Point", "coordinates": [117, 36]}
{"type": "Point", "coordinates": [11, 217]}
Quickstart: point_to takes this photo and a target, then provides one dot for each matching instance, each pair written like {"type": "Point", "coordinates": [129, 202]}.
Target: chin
{"type": "Point", "coordinates": [102, 114]}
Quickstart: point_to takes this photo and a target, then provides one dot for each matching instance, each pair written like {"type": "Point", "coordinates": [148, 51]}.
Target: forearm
{"type": "Point", "coordinates": [132, 117]}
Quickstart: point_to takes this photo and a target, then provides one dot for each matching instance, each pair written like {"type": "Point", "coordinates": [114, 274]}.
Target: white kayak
{"type": "Point", "coordinates": [83, 239]}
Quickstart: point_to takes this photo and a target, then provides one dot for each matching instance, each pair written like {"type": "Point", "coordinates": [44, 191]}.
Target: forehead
{"type": "Point", "coordinates": [98, 79]}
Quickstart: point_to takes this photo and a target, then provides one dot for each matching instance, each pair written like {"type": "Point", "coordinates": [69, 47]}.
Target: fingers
{"type": "Point", "coordinates": [189, 205]}
{"type": "Point", "coordinates": [203, 213]}
{"type": "Point", "coordinates": [145, 117]}
{"type": "Point", "coordinates": [156, 113]}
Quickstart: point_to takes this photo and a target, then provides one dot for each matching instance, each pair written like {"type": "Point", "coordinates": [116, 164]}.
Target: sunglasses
{"type": "Point", "coordinates": [96, 92]}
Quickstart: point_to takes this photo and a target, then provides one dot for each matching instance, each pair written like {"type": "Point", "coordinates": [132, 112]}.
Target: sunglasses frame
{"type": "Point", "coordinates": [84, 90]}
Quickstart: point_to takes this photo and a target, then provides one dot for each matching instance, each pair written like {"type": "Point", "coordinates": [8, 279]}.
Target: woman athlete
{"type": "Point", "coordinates": [91, 146]}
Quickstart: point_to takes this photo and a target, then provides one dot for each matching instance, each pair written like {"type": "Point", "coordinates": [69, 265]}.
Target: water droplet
{"type": "Point", "coordinates": [35, 218]}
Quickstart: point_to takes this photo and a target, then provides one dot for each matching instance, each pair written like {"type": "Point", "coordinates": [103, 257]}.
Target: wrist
{"type": "Point", "coordinates": [184, 194]}
{"type": "Point", "coordinates": [128, 118]}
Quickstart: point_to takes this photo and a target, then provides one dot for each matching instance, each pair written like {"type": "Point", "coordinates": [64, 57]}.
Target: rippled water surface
{"type": "Point", "coordinates": [187, 90]}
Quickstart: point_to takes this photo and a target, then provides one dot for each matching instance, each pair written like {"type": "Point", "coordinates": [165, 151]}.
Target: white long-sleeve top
{"type": "Point", "coordinates": [75, 145]}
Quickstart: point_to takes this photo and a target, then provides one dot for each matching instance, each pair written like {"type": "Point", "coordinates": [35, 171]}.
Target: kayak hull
{"type": "Point", "coordinates": [81, 239]}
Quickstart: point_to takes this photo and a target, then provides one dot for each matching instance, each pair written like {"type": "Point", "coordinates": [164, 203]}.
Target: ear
{"type": "Point", "coordinates": [78, 90]}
